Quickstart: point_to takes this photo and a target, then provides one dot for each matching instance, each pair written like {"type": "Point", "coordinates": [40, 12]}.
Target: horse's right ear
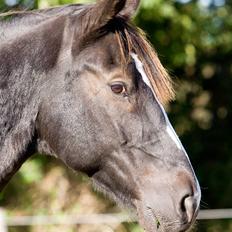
{"type": "Point", "coordinates": [130, 8]}
{"type": "Point", "coordinates": [104, 10]}
{"type": "Point", "coordinates": [98, 15]}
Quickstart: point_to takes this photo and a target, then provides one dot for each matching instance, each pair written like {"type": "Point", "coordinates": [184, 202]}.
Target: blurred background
{"type": "Point", "coordinates": [194, 41]}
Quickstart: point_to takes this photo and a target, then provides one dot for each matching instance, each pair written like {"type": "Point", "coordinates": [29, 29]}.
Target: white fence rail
{"type": "Point", "coordinates": [6, 221]}
{"type": "Point", "coordinates": [212, 214]}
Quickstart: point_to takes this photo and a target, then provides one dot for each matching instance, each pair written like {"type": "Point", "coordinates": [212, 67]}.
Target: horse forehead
{"type": "Point", "coordinates": [107, 59]}
{"type": "Point", "coordinates": [108, 49]}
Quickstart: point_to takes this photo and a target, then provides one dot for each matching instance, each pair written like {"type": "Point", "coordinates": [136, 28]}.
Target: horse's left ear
{"type": "Point", "coordinates": [130, 8]}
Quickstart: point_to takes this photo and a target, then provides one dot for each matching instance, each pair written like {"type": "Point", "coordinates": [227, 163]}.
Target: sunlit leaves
{"type": "Point", "coordinates": [31, 171]}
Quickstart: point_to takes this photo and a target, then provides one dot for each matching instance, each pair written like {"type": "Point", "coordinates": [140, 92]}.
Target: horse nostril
{"type": "Point", "coordinates": [182, 204]}
{"type": "Point", "coordinates": [188, 207]}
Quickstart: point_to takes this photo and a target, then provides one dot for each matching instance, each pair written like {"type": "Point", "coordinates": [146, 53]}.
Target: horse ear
{"type": "Point", "coordinates": [104, 10]}
{"type": "Point", "coordinates": [97, 16]}
{"type": "Point", "coordinates": [130, 8]}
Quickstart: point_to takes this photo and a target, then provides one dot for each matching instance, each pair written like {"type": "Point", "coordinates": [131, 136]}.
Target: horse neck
{"type": "Point", "coordinates": [22, 22]}
{"type": "Point", "coordinates": [26, 63]}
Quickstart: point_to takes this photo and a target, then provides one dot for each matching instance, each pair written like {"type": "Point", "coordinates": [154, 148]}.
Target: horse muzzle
{"type": "Point", "coordinates": [171, 205]}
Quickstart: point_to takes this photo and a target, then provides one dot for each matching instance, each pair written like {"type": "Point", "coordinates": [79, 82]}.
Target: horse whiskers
{"type": "Point", "coordinates": [174, 223]}
{"type": "Point", "coordinates": [203, 204]}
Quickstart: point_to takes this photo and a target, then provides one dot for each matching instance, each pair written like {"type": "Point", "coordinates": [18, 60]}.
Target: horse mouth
{"type": "Point", "coordinates": [154, 223]}
{"type": "Point", "coordinates": [156, 220]}
{"type": "Point", "coordinates": [148, 218]}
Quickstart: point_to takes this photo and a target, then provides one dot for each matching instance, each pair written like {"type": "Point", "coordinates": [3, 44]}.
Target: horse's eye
{"type": "Point", "coordinates": [118, 88]}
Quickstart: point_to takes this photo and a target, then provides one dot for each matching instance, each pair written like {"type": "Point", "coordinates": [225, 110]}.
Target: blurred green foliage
{"type": "Point", "coordinates": [194, 41]}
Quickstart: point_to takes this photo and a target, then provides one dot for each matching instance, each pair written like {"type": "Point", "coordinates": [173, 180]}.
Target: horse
{"type": "Point", "coordinates": [83, 84]}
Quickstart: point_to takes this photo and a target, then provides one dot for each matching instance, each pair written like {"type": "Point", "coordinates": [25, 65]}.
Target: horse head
{"type": "Point", "coordinates": [100, 111]}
